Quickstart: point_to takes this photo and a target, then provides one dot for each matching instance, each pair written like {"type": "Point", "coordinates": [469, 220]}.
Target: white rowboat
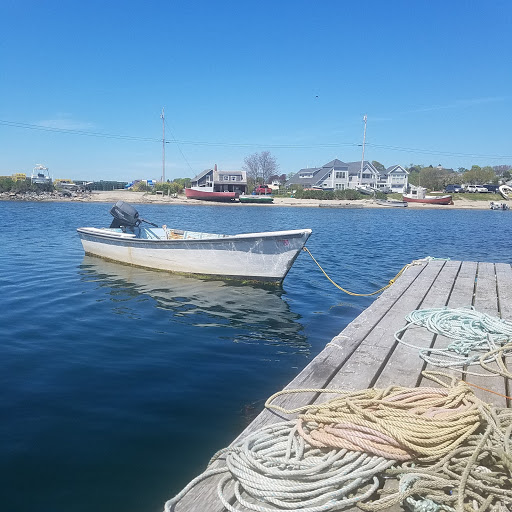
{"type": "Point", "coordinates": [265, 257]}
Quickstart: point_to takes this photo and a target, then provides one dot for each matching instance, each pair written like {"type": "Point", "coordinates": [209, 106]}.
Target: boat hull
{"type": "Point", "coordinates": [505, 191]}
{"type": "Point", "coordinates": [256, 199]}
{"type": "Point", "coordinates": [429, 199]}
{"type": "Point", "coordinates": [206, 195]}
{"type": "Point", "coordinates": [401, 204]}
{"type": "Point", "coordinates": [262, 257]}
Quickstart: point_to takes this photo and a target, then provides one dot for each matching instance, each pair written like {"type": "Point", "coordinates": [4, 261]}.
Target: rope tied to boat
{"type": "Point", "coordinates": [391, 281]}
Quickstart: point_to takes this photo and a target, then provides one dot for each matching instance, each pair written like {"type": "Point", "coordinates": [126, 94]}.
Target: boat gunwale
{"type": "Point", "coordinates": [118, 237]}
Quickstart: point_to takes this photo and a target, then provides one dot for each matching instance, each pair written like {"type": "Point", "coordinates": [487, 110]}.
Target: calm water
{"type": "Point", "coordinates": [118, 384]}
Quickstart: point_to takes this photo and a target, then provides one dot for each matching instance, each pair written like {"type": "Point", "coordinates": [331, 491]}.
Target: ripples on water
{"type": "Point", "coordinates": [119, 383]}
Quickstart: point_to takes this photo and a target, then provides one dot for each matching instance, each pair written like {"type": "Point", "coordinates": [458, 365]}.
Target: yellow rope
{"type": "Point", "coordinates": [397, 423]}
{"type": "Point", "coordinates": [352, 293]}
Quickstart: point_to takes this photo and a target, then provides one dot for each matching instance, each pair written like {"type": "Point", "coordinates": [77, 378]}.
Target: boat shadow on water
{"type": "Point", "coordinates": [255, 313]}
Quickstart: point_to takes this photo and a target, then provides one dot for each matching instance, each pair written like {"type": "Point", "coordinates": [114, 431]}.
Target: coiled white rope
{"type": "Point", "coordinates": [474, 334]}
{"type": "Point", "coordinates": [275, 466]}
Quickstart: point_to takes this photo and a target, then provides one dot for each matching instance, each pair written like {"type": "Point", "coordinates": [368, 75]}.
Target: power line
{"type": "Point", "coordinates": [246, 144]}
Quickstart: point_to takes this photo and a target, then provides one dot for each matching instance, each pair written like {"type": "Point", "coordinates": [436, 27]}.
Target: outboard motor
{"type": "Point", "coordinates": [124, 215]}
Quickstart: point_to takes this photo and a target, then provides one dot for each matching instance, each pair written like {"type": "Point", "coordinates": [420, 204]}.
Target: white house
{"type": "Point", "coordinates": [338, 175]}
{"type": "Point", "coordinates": [393, 179]}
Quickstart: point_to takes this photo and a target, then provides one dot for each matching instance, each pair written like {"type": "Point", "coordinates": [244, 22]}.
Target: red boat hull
{"type": "Point", "coordinates": [205, 195]}
{"type": "Point", "coordinates": [429, 200]}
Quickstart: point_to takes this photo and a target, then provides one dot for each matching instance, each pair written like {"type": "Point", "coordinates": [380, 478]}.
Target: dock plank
{"type": "Point", "coordinates": [461, 295]}
{"type": "Point", "coordinates": [404, 367]}
{"type": "Point", "coordinates": [366, 363]}
{"type": "Point", "coordinates": [486, 301]}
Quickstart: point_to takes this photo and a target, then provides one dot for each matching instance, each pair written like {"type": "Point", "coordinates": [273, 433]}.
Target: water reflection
{"type": "Point", "coordinates": [244, 313]}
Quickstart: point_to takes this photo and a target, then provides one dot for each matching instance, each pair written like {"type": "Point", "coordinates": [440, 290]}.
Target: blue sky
{"type": "Point", "coordinates": [82, 84]}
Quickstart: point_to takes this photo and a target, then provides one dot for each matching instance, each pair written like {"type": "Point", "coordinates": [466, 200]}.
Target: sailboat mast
{"type": "Point", "coordinates": [362, 158]}
{"type": "Point", "coordinates": [163, 145]}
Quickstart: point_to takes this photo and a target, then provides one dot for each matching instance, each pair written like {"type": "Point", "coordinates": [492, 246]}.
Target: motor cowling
{"type": "Point", "coordinates": [125, 215]}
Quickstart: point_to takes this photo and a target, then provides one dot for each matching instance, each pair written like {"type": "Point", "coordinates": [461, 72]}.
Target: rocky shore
{"type": "Point", "coordinates": [129, 196]}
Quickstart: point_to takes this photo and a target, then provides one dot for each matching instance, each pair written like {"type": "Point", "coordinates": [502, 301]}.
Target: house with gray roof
{"type": "Point", "coordinates": [335, 175]}
{"type": "Point", "coordinates": [338, 175]}
{"type": "Point", "coordinates": [221, 181]}
{"type": "Point", "coordinates": [393, 179]}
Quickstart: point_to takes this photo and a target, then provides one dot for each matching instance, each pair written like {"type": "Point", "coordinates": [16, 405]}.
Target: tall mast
{"type": "Point", "coordinates": [362, 158]}
{"type": "Point", "coordinates": [163, 145]}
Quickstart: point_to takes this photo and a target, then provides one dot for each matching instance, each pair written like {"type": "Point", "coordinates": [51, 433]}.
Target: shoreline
{"type": "Point", "coordinates": [104, 196]}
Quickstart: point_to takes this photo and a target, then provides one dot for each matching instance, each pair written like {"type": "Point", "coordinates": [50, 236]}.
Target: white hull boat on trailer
{"type": "Point", "coordinates": [265, 257]}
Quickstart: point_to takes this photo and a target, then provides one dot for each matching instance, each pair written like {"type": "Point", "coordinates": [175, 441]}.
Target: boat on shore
{"type": "Point", "coordinates": [208, 194]}
{"type": "Point", "coordinates": [418, 195]}
{"type": "Point", "coordinates": [505, 191]}
{"type": "Point", "coordinates": [215, 185]}
{"type": "Point", "coordinates": [499, 206]}
{"type": "Point", "coordinates": [256, 199]}
{"type": "Point", "coordinates": [386, 202]}
{"type": "Point", "coordinates": [261, 257]}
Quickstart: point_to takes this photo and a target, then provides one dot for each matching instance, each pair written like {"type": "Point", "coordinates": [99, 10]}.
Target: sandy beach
{"type": "Point", "coordinates": [112, 196]}
{"type": "Point", "coordinates": [142, 197]}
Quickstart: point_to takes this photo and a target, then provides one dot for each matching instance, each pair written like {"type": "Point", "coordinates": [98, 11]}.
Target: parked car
{"type": "Point", "coordinates": [453, 188]}
{"type": "Point", "coordinates": [476, 188]}
{"type": "Point", "coordinates": [263, 189]}
{"type": "Point", "coordinates": [492, 188]}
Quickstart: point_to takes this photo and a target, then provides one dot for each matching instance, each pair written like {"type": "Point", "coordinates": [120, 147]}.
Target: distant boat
{"type": "Point", "coordinates": [418, 196]}
{"type": "Point", "coordinates": [505, 191]}
{"type": "Point", "coordinates": [385, 202]}
{"type": "Point", "coordinates": [261, 199]}
{"type": "Point", "coordinates": [40, 175]}
{"type": "Point", "coordinates": [215, 185]}
{"type": "Point", "coordinates": [264, 257]}
{"type": "Point", "coordinates": [208, 194]}
{"type": "Point", "coordinates": [499, 206]}
{"type": "Point", "coordinates": [365, 189]}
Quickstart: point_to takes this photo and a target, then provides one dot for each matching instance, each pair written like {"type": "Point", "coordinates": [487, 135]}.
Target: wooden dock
{"type": "Point", "coordinates": [365, 354]}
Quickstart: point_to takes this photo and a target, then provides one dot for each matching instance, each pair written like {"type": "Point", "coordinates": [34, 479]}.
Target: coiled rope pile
{"type": "Point", "coordinates": [336, 454]}
{"type": "Point", "coordinates": [478, 338]}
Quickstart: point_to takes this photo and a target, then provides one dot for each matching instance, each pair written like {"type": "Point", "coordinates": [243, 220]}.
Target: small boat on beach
{"type": "Point", "coordinates": [505, 191]}
{"type": "Point", "coordinates": [418, 195]}
{"type": "Point", "coordinates": [207, 194]}
{"type": "Point", "coordinates": [261, 257]}
{"type": "Point", "coordinates": [499, 206]}
{"type": "Point", "coordinates": [386, 202]}
{"type": "Point", "coordinates": [256, 199]}
{"type": "Point", "coordinates": [215, 185]}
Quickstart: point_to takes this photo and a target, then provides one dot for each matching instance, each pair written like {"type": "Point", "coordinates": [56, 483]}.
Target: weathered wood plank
{"type": "Point", "coordinates": [486, 301]}
{"type": "Point", "coordinates": [366, 363]}
{"type": "Point", "coordinates": [404, 367]}
{"type": "Point", "coordinates": [461, 295]}
{"type": "Point", "coordinates": [504, 286]}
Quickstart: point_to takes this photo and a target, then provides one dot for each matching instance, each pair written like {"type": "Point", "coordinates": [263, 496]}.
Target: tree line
{"type": "Point", "coordinates": [436, 178]}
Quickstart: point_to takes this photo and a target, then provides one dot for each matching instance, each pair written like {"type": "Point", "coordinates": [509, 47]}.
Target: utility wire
{"type": "Point", "coordinates": [175, 141]}
{"type": "Point", "coordinates": [246, 145]}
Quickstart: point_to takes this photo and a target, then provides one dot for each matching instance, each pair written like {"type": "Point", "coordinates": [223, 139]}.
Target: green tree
{"type": "Point", "coordinates": [378, 166]}
{"type": "Point", "coordinates": [434, 178]}
{"type": "Point", "coordinates": [478, 175]}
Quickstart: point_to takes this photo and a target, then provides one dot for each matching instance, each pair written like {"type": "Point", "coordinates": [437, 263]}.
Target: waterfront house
{"type": "Point", "coordinates": [338, 175]}
{"type": "Point", "coordinates": [393, 179]}
{"type": "Point", "coordinates": [221, 181]}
